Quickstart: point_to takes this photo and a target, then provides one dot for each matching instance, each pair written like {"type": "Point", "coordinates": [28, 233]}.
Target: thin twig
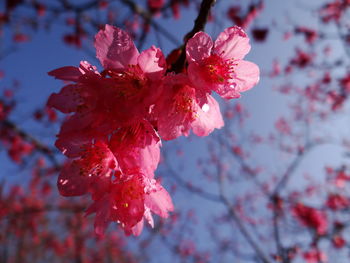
{"type": "Point", "coordinates": [29, 138]}
{"type": "Point", "coordinates": [193, 189]}
{"type": "Point", "coordinates": [148, 18]}
{"type": "Point", "coordinates": [244, 231]}
{"type": "Point", "coordinates": [259, 252]}
{"type": "Point", "coordinates": [199, 25]}
{"type": "Point", "coordinates": [291, 168]}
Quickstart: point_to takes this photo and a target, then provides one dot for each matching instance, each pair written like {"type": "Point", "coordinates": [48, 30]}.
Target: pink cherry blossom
{"type": "Point", "coordinates": [338, 242]}
{"type": "Point", "coordinates": [130, 201]}
{"type": "Point", "coordinates": [337, 202]}
{"type": "Point", "coordinates": [311, 217]}
{"type": "Point", "coordinates": [114, 149]}
{"type": "Point", "coordinates": [89, 172]}
{"type": "Point", "coordinates": [137, 148]}
{"type": "Point", "coordinates": [220, 66]}
{"type": "Point", "coordinates": [130, 79]}
{"type": "Point", "coordinates": [115, 48]}
{"type": "Point", "coordinates": [118, 116]}
{"type": "Point", "coordinates": [187, 109]}
{"type": "Point", "coordinates": [314, 256]}
{"type": "Point", "coordinates": [155, 199]}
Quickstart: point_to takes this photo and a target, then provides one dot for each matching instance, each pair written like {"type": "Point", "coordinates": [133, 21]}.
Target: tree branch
{"type": "Point", "coordinates": [244, 231]}
{"type": "Point", "coordinates": [148, 18]}
{"type": "Point", "coordinates": [29, 138]}
{"type": "Point", "coordinates": [199, 25]}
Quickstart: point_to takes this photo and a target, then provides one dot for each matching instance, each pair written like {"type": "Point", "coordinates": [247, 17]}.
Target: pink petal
{"type": "Point", "coordinates": [99, 186]}
{"type": "Point", "coordinates": [102, 217]}
{"type": "Point", "coordinates": [159, 202]}
{"type": "Point", "coordinates": [77, 122]}
{"type": "Point", "coordinates": [144, 160]}
{"type": "Point", "coordinates": [85, 67]}
{"type": "Point", "coordinates": [66, 73]}
{"type": "Point", "coordinates": [149, 218]}
{"type": "Point", "coordinates": [67, 100]}
{"type": "Point", "coordinates": [170, 130]}
{"type": "Point", "coordinates": [227, 92]}
{"type": "Point", "coordinates": [195, 74]}
{"type": "Point", "coordinates": [199, 47]}
{"type": "Point", "coordinates": [74, 136]}
{"type": "Point", "coordinates": [208, 118]}
{"type": "Point", "coordinates": [131, 215]}
{"type": "Point", "coordinates": [178, 95]}
{"type": "Point", "coordinates": [137, 149]}
{"type": "Point", "coordinates": [136, 230]}
{"type": "Point", "coordinates": [152, 62]}
{"type": "Point", "coordinates": [70, 182]}
{"type": "Point", "coordinates": [71, 144]}
{"type": "Point", "coordinates": [173, 129]}
{"type": "Point", "coordinates": [246, 75]}
{"type": "Point", "coordinates": [92, 172]}
{"type": "Point", "coordinates": [232, 43]}
{"type": "Point", "coordinates": [115, 48]}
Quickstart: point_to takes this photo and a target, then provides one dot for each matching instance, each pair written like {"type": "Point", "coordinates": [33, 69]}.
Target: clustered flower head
{"type": "Point", "coordinates": [117, 118]}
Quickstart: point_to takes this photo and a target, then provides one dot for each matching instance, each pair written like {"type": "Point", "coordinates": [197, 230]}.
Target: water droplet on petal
{"type": "Point", "coordinates": [63, 182]}
{"type": "Point", "coordinates": [205, 108]}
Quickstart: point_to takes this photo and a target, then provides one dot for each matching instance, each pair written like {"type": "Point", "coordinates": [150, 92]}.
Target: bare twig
{"type": "Point", "coordinates": [242, 228]}
{"type": "Point", "coordinates": [191, 188]}
{"type": "Point", "coordinates": [232, 212]}
{"type": "Point", "coordinates": [148, 18]}
{"type": "Point", "coordinates": [39, 146]}
{"type": "Point", "coordinates": [199, 25]}
{"type": "Point", "coordinates": [291, 168]}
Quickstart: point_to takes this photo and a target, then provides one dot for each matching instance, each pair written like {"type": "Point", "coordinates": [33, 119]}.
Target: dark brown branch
{"type": "Point", "coordinates": [291, 168]}
{"type": "Point", "coordinates": [201, 19]}
{"type": "Point", "coordinates": [276, 230]}
{"type": "Point", "coordinates": [254, 245]}
{"type": "Point", "coordinates": [199, 25]}
{"type": "Point", "coordinates": [47, 208]}
{"type": "Point", "coordinates": [32, 140]}
{"type": "Point", "coordinates": [245, 166]}
{"type": "Point", "coordinates": [79, 8]}
{"type": "Point", "coordinates": [191, 188]}
{"type": "Point", "coordinates": [237, 220]}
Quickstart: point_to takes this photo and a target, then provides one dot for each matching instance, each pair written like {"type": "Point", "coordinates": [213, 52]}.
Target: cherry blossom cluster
{"type": "Point", "coordinates": [118, 117]}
